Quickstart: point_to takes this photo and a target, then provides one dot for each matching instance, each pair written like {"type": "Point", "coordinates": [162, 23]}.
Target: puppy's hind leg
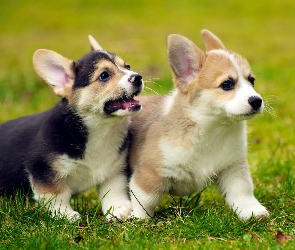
{"type": "Point", "coordinates": [236, 185]}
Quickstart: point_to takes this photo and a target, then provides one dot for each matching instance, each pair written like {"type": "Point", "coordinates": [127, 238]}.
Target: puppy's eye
{"type": "Point", "coordinates": [227, 85]}
{"type": "Point", "coordinates": [104, 76]}
{"type": "Point", "coordinates": [251, 79]}
{"type": "Point", "coordinates": [127, 66]}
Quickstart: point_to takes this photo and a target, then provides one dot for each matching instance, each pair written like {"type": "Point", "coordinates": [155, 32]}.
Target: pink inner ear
{"type": "Point", "coordinates": [58, 77]}
{"type": "Point", "coordinates": [187, 70]}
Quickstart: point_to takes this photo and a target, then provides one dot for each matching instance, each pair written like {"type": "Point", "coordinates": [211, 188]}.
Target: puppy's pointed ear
{"type": "Point", "coordinates": [56, 70]}
{"type": "Point", "coordinates": [94, 44]}
{"type": "Point", "coordinates": [211, 41]}
{"type": "Point", "coordinates": [185, 59]}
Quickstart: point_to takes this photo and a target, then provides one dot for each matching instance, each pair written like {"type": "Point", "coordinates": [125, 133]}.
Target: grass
{"type": "Point", "coordinates": [262, 31]}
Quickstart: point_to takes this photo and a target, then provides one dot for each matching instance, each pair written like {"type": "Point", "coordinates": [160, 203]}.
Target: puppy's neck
{"type": "Point", "coordinates": [104, 126]}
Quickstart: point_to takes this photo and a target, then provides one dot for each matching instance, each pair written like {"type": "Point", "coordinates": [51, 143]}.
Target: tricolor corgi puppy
{"type": "Point", "coordinates": [80, 143]}
{"type": "Point", "coordinates": [197, 134]}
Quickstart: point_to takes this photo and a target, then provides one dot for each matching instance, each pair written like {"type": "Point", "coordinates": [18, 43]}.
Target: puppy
{"type": "Point", "coordinates": [80, 143]}
{"type": "Point", "coordinates": [197, 134]}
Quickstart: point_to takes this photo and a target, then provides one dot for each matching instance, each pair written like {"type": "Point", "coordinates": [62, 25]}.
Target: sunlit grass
{"type": "Point", "coordinates": [262, 31]}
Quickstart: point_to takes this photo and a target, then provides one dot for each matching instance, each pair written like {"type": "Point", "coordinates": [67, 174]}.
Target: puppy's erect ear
{"type": "Point", "coordinates": [94, 44]}
{"type": "Point", "coordinates": [185, 59]}
{"type": "Point", "coordinates": [56, 70]}
{"type": "Point", "coordinates": [211, 41]}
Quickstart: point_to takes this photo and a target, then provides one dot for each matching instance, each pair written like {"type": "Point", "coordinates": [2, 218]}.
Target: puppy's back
{"type": "Point", "coordinates": [29, 145]}
{"type": "Point", "coordinates": [15, 137]}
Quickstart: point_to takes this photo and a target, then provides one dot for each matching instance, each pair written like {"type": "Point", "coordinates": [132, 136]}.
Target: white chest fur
{"type": "Point", "coordinates": [102, 157]}
{"type": "Point", "coordinates": [194, 163]}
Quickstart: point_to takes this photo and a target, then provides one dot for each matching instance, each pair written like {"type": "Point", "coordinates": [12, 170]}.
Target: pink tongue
{"type": "Point", "coordinates": [129, 103]}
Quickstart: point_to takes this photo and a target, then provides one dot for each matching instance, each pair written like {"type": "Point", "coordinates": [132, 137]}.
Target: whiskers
{"type": "Point", "coordinates": [267, 104]}
{"type": "Point", "coordinates": [269, 109]}
{"type": "Point", "coordinates": [150, 90]}
{"type": "Point", "coordinates": [151, 80]}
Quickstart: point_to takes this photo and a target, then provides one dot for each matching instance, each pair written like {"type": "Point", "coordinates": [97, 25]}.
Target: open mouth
{"type": "Point", "coordinates": [124, 103]}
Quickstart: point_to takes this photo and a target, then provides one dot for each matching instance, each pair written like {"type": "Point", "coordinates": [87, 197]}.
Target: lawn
{"type": "Point", "coordinates": [262, 31]}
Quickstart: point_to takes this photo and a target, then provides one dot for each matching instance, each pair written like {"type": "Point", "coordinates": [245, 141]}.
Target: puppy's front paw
{"type": "Point", "coordinates": [121, 211]}
{"type": "Point", "coordinates": [258, 212]}
{"type": "Point", "coordinates": [70, 215]}
{"type": "Point", "coordinates": [73, 216]}
{"type": "Point", "coordinates": [140, 214]}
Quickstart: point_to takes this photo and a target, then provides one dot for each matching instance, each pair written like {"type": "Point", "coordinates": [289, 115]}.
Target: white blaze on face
{"type": "Point", "coordinates": [124, 81]}
{"type": "Point", "coordinates": [239, 104]}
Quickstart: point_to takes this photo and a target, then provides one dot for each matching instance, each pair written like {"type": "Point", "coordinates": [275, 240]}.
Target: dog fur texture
{"type": "Point", "coordinates": [183, 141]}
{"type": "Point", "coordinates": [80, 143]}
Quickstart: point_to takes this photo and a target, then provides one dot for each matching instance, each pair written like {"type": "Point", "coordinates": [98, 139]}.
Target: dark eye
{"type": "Point", "coordinates": [127, 66]}
{"type": "Point", "coordinates": [104, 76]}
{"type": "Point", "coordinates": [251, 79]}
{"type": "Point", "coordinates": [227, 85]}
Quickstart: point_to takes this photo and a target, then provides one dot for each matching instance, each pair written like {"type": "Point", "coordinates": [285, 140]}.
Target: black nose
{"type": "Point", "coordinates": [135, 79]}
{"type": "Point", "coordinates": [255, 102]}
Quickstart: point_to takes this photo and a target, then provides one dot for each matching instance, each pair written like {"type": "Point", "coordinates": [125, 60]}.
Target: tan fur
{"type": "Point", "coordinates": [58, 188]}
{"type": "Point", "coordinates": [141, 124]}
{"type": "Point", "coordinates": [192, 51]}
{"type": "Point", "coordinates": [211, 41]}
{"type": "Point", "coordinates": [47, 56]}
{"type": "Point", "coordinates": [177, 127]}
{"type": "Point", "coordinates": [182, 141]}
{"type": "Point", "coordinates": [94, 44]}
{"type": "Point", "coordinates": [150, 124]}
{"type": "Point", "coordinates": [97, 92]}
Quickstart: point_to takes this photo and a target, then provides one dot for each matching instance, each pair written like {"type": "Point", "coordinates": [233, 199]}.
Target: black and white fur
{"type": "Point", "coordinates": [80, 143]}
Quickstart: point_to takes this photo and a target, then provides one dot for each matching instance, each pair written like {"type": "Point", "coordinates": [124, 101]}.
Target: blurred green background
{"type": "Point", "coordinates": [262, 31]}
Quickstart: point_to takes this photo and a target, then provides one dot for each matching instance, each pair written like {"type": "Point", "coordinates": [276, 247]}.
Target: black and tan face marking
{"type": "Point", "coordinates": [100, 82]}
{"type": "Point", "coordinates": [105, 84]}
{"type": "Point", "coordinates": [86, 68]}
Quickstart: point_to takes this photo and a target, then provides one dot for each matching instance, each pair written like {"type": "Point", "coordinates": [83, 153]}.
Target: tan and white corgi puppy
{"type": "Point", "coordinates": [197, 134]}
{"type": "Point", "coordinates": [80, 143]}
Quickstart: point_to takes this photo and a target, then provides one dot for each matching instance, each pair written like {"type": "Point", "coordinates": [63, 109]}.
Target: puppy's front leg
{"type": "Point", "coordinates": [146, 191]}
{"type": "Point", "coordinates": [113, 195]}
{"type": "Point", "coordinates": [58, 204]}
{"type": "Point", "coordinates": [236, 185]}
